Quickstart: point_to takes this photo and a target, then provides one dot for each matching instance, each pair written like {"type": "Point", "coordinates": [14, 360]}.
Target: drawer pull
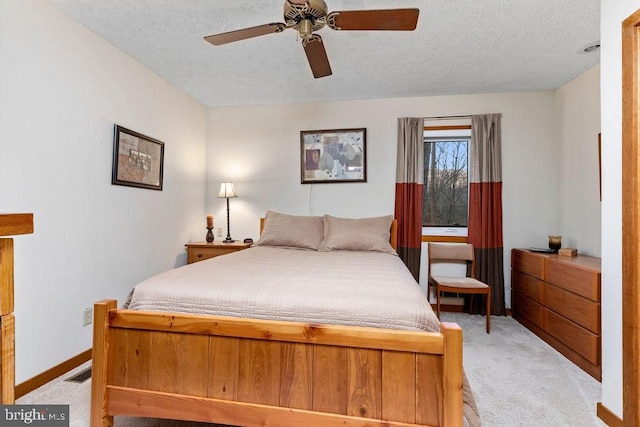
{"type": "Point", "coordinates": [199, 255]}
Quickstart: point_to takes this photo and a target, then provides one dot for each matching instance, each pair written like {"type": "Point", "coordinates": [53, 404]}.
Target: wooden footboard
{"type": "Point", "coordinates": [249, 372]}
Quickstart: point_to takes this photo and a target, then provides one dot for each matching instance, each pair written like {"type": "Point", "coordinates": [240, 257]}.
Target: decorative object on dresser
{"type": "Point", "coordinates": [227, 190]}
{"type": "Point", "coordinates": [138, 160]}
{"type": "Point", "coordinates": [328, 156]}
{"type": "Point", "coordinates": [555, 243]}
{"type": "Point", "coordinates": [568, 252]}
{"type": "Point", "coordinates": [558, 298]}
{"type": "Point", "coordinates": [10, 225]}
{"type": "Point", "coordinates": [456, 252]}
{"type": "Point", "coordinates": [209, 237]}
{"type": "Point", "coordinates": [199, 251]}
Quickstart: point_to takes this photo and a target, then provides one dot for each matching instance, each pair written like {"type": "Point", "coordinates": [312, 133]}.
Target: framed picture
{"type": "Point", "coordinates": [137, 160]}
{"type": "Point", "coordinates": [338, 155]}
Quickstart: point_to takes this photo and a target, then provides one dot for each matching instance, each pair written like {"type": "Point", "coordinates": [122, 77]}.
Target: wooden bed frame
{"type": "Point", "coordinates": [249, 372]}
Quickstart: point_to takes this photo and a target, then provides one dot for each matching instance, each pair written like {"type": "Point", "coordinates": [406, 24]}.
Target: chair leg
{"type": "Point", "coordinates": [437, 301]}
{"type": "Point", "coordinates": [488, 297]}
{"type": "Point", "coordinates": [470, 303]}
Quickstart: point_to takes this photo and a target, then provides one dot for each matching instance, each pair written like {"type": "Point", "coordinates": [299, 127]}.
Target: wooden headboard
{"type": "Point", "coordinates": [393, 237]}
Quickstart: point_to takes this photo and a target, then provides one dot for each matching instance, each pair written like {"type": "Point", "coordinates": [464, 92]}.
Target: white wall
{"type": "Point", "coordinates": [62, 88]}
{"type": "Point", "coordinates": [258, 147]}
{"type": "Point", "coordinates": [612, 15]}
{"type": "Point", "coordinates": [578, 119]}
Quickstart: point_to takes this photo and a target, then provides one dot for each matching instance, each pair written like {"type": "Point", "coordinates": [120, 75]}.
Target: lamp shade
{"type": "Point", "coordinates": [227, 190]}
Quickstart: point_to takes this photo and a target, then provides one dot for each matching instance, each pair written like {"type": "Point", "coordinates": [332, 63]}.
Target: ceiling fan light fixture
{"type": "Point", "coordinates": [305, 30]}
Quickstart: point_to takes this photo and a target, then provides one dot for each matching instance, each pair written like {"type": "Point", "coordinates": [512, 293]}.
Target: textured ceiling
{"type": "Point", "coordinates": [459, 47]}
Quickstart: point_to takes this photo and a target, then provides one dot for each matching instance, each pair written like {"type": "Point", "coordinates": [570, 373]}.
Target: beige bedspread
{"type": "Point", "coordinates": [347, 288]}
{"type": "Point", "coordinates": [343, 287]}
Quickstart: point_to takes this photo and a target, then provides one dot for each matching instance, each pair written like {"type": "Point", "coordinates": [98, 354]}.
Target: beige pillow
{"type": "Point", "coordinates": [303, 232]}
{"type": "Point", "coordinates": [357, 234]}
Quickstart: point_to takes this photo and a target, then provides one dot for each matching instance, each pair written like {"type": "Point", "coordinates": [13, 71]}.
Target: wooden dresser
{"type": "Point", "coordinates": [558, 299]}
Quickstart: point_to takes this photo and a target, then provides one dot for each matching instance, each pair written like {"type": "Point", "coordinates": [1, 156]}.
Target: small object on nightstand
{"type": "Point", "coordinates": [248, 240]}
{"type": "Point", "coordinates": [209, 237]}
{"type": "Point", "coordinates": [568, 252]}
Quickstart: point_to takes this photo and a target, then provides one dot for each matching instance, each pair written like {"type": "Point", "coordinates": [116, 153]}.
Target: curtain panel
{"type": "Point", "coordinates": [409, 186]}
{"type": "Point", "coordinates": [485, 207]}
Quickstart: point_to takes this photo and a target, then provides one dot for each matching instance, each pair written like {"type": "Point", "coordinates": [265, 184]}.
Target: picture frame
{"type": "Point", "coordinates": [138, 160]}
{"type": "Point", "coordinates": [333, 156]}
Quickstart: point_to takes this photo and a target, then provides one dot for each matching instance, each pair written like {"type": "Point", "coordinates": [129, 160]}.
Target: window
{"type": "Point", "coordinates": [446, 186]}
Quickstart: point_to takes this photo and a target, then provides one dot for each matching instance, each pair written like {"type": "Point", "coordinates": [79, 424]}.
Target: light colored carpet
{"type": "Point", "coordinates": [517, 380]}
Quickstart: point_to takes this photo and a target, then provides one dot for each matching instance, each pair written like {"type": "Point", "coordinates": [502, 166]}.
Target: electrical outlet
{"type": "Point", "coordinates": [219, 231]}
{"type": "Point", "coordinates": [87, 316]}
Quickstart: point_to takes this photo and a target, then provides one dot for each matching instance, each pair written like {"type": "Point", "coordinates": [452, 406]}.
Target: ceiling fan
{"type": "Point", "coordinates": [307, 16]}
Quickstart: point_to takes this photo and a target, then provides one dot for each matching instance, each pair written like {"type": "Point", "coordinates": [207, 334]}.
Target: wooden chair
{"type": "Point", "coordinates": [455, 252]}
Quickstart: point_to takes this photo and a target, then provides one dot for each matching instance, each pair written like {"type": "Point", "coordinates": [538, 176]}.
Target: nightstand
{"type": "Point", "coordinates": [199, 251]}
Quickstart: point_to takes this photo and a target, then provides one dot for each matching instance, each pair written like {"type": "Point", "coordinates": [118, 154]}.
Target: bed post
{"type": "Point", "coordinates": [452, 369]}
{"type": "Point", "coordinates": [99, 417]}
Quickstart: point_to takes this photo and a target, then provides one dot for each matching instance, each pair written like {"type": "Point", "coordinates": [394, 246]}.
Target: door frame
{"type": "Point", "coordinates": [630, 220]}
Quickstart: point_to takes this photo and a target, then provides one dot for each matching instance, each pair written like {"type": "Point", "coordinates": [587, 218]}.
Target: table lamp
{"type": "Point", "coordinates": [227, 191]}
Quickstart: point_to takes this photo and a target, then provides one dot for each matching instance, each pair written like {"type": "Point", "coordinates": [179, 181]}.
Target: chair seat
{"type": "Point", "coordinates": [459, 282]}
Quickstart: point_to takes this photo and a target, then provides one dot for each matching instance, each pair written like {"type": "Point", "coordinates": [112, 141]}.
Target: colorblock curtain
{"type": "Point", "coordinates": [409, 186]}
{"type": "Point", "coordinates": [485, 207]}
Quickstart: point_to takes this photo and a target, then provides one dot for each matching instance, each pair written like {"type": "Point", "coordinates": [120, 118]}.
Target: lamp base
{"type": "Point", "coordinates": [228, 240]}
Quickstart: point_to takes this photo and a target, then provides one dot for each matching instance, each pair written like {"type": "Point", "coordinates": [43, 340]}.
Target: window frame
{"type": "Point", "coordinates": [443, 231]}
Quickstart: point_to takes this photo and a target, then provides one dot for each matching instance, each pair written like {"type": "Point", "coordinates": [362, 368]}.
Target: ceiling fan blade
{"type": "Point", "coordinates": [317, 56]}
{"type": "Point", "coordinates": [387, 19]}
{"type": "Point", "coordinates": [246, 33]}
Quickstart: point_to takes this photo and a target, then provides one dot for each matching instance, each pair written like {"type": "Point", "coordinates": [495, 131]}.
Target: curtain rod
{"type": "Point", "coordinates": [446, 117]}
{"type": "Point", "coordinates": [451, 117]}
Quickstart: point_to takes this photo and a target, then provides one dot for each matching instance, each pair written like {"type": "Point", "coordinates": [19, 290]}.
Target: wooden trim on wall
{"type": "Point", "coordinates": [608, 417]}
{"type": "Point", "coordinates": [53, 373]}
{"type": "Point", "coordinates": [630, 225]}
{"type": "Point", "coordinates": [445, 239]}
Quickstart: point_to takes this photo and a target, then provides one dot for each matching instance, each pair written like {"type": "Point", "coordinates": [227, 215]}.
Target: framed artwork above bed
{"type": "Point", "coordinates": [138, 160]}
{"type": "Point", "coordinates": [329, 156]}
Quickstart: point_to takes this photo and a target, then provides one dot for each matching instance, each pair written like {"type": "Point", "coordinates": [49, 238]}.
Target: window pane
{"type": "Point", "coordinates": [445, 183]}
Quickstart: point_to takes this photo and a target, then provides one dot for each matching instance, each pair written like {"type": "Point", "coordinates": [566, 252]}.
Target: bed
{"type": "Point", "coordinates": [225, 340]}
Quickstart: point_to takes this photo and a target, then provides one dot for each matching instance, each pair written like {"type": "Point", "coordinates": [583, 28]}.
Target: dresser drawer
{"type": "Point", "coordinates": [583, 311]}
{"type": "Point", "coordinates": [528, 309]}
{"type": "Point", "coordinates": [578, 280]}
{"type": "Point", "coordinates": [528, 286]}
{"type": "Point", "coordinates": [583, 342]}
{"type": "Point", "coordinates": [527, 262]}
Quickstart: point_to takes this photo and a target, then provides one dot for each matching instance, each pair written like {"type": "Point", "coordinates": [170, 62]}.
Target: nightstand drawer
{"type": "Point", "coordinates": [202, 250]}
{"type": "Point", "coordinates": [199, 254]}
